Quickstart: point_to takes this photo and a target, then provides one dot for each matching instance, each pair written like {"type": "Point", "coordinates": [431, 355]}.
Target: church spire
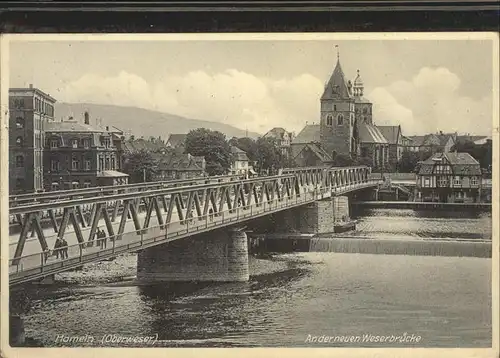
{"type": "Point", "coordinates": [337, 86]}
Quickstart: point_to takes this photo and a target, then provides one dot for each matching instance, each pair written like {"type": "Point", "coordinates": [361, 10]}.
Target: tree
{"type": "Point", "coordinates": [408, 162]}
{"type": "Point", "coordinates": [269, 156]}
{"type": "Point", "coordinates": [482, 153]}
{"type": "Point", "coordinates": [342, 160]}
{"type": "Point", "coordinates": [213, 146]}
{"type": "Point", "coordinates": [139, 165]}
{"type": "Point", "coordinates": [365, 161]}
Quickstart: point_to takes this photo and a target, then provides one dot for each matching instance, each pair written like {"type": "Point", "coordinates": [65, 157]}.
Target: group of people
{"type": "Point", "coordinates": [61, 245]}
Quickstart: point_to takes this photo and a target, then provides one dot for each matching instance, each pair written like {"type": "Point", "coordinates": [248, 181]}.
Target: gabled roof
{"type": "Point", "coordinates": [371, 134]}
{"type": "Point", "coordinates": [276, 132]}
{"type": "Point", "coordinates": [337, 85]}
{"type": "Point", "coordinates": [174, 160]}
{"type": "Point", "coordinates": [136, 145]}
{"type": "Point", "coordinates": [316, 149]}
{"type": "Point", "coordinates": [309, 134]}
{"type": "Point", "coordinates": [391, 133]}
{"type": "Point", "coordinates": [176, 139]}
{"type": "Point", "coordinates": [238, 154]}
{"type": "Point", "coordinates": [461, 163]}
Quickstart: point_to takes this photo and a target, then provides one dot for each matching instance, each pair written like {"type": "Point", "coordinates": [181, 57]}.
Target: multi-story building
{"type": "Point", "coordinates": [282, 137]}
{"type": "Point", "coordinates": [79, 155]}
{"type": "Point", "coordinates": [449, 177]}
{"type": "Point", "coordinates": [240, 162]}
{"type": "Point", "coordinates": [29, 110]}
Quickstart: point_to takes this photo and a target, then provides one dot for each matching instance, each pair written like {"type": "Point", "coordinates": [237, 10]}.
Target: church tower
{"type": "Point", "coordinates": [337, 126]}
{"type": "Point", "coordinates": [363, 106]}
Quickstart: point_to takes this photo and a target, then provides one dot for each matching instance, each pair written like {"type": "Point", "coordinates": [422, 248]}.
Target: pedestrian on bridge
{"type": "Point", "coordinates": [102, 239]}
{"type": "Point", "coordinates": [57, 247]}
{"type": "Point", "coordinates": [64, 249]}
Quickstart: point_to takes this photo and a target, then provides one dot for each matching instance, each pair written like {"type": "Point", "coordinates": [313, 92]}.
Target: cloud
{"type": "Point", "coordinates": [232, 97]}
{"type": "Point", "coordinates": [430, 102]}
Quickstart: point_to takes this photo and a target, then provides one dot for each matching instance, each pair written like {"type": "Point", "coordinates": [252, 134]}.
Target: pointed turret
{"type": "Point", "coordinates": [337, 86]}
{"type": "Point", "coordinates": [359, 86]}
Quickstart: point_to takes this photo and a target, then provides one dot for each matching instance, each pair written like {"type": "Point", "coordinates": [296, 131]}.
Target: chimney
{"type": "Point", "coordinates": [31, 85]}
{"type": "Point", "coordinates": [87, 119]}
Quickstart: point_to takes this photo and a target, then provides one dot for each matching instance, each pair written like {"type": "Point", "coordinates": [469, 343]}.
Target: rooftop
{"type": "Point", "coordinates": [70, 126]}
{"type": "Point", "coordinates": [390, 133]}
{"type": "Point", "coordinates": [175, 140]}
{"type": "Point", "coordinates": [309, 134]}
{"type": "Point", "coordinates": [12, 91]}
{"type": "Point", "coordinates": [371, 134]}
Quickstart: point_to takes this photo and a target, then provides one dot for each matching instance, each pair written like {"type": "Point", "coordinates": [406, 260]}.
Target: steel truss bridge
{"type": "Point", "coordinates": [139, 216]}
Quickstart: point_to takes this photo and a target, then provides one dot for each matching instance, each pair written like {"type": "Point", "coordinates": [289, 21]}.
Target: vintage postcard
{"type": "Point", "coordinates": [336, 192]}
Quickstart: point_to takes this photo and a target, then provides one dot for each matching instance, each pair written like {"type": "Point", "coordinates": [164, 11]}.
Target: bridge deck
{"type": "Point", "coordinates": [34, 264]}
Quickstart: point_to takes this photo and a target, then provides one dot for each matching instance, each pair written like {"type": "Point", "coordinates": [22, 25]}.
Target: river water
{"type": "Point", "coordinates": [290, 300]}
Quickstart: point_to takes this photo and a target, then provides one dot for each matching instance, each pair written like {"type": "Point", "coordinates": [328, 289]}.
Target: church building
{"type": "Point", "coordinates": [346, 127]}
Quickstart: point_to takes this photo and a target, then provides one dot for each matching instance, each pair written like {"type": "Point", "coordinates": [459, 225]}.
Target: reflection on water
{"type": "Point", "coordinates": [445, 300]}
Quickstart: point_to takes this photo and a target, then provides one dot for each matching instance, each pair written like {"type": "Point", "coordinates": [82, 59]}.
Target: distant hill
{"type": "Point", "coordinates": [143, 122]}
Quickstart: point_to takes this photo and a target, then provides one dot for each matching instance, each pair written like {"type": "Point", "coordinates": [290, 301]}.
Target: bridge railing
{"type": "Point", "coordinates": [24, 199]}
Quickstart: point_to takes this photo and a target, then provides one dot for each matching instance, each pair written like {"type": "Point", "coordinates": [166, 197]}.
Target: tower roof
{"type": "Point", "coordinates": [337, 85]}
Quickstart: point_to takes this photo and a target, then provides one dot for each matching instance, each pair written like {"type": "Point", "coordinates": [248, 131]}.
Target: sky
{"type": "Point", "coordinates": [423, 85]}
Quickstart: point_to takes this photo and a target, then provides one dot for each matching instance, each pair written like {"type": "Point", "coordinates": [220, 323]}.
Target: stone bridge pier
{"type": "Point", "coordinates": [315, 218]}
{"type": "Point", "coordinates": [219, 255]}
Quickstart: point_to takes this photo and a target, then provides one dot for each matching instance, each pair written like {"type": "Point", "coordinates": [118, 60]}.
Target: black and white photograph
{"type": "Point", "coordinates": [239, 191]}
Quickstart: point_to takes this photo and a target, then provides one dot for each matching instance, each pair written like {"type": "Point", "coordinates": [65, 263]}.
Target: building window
{"type": "Point", "coordinates": [86, 143]}
{"type": "Point", "coordinates": [19, 141]}
{"type": "Point", "coordinates": [74, 143]}
{"type": "Point", "coordinates": [54, 143]}
{"type": "Point", "coordinates": [54, 165]}
{"type": "Point", "coordinates": [365, 110]}
{"type": "Point", "coordinates": [19, 123]}
{"type": "Point", "coordinates": [352, 120]}
{"type": "Point", "coordinates": [364, 119]}
{"type": "Point", "coordinates": [457, 181]}
{"type": "Point", "coordinates": [19, 161]}
{"type": "Point", "coordinates": [329, 120]}
{"type": "Point", "coordinates": [74, 164]}
{"type": "Point", "coordinates": [54, 186]}
{"type": "Point", "coordinates": [87, 164]}
{"type": "Point", "coordinates": [473, 181]}
{"type": "Point", "coordinates": [427, 181]}
{"type": "Point", "coordinates": [87, 184]}
{"type": "Point", "coordinates": [101, 163]}
{"type": "Point", "coordinates": [113, 163]}
{"type": "Point", "coordinates": [107, 163]}
{"type": "Point", "coordinates": [75, 184]}
{"type": "Point", "coordinates": [442, 181]}
{"type": "Point", "coordinates": [340, 120]}
{"type": "Point", "coordinates": [334, 107]}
